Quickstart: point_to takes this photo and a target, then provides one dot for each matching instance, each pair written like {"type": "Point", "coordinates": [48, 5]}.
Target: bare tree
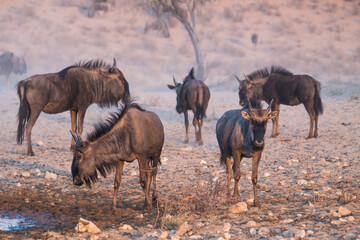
{"type": "Point", "coordinates": [185, 12]}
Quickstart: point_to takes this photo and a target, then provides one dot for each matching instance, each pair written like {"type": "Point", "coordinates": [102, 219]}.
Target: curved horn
{"type": "Point", "coordinates": [76, 139]}
{"type": "Point", "coordinates": [114, 64]}
{"type": "Point", "coordinates": [269, 107]}
{"type": "Point", "coordinates": [250, 107]}
{"type": "Point", "coordinates": [246, 77]}
{"type": "Point", "coordinates": [174, 81]}
{"type": "Point", "coordinates": [237, 78]}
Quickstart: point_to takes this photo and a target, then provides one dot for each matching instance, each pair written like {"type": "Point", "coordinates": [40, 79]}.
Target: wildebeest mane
{"type": "Point", "coordinates": [91, 65]}
{"type": "Point", "coordinates": [104, 127]}
{"type": "Point", "coordinates": [263, 73]}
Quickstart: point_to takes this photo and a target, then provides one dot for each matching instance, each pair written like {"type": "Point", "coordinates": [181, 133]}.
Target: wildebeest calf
{"type": "Point", "coordinates": [132, 133]}
{"type": "Point", "coordinates": [240, 133]}
{"type": "Point", "coordinates": [192, 95]}
{"type": "Point", "coordinates": [10, 63]}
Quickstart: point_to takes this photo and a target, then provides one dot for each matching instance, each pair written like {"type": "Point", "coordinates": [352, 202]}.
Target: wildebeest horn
{"type": "Point", "coordinates": [269, 107]}
{"type": "Point", "coordinates": [114, 64]}
{"type": "Point", "coordinates": [250, 107]}
{"type": "Point", "coordinates": [239, 80]}
{"type": "Point", "coordinates": [76, 139]}
{"type": "Point", "coordinates": [174, 81]}
{"type": "Point", "coordinates": [246, 77]}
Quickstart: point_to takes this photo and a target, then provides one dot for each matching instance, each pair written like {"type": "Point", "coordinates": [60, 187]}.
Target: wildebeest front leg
{"type": "Point", "coordinates": [118, 174]}
{"type": "Point", "coordinates": [254, 177]}
{"type": "Point", "coordinates": [145, 177]}
{"type": "Point", "coordinates": [228, 173]}
{"type": "Point", "coordinates": [310, 110]}
{"type": "Point", "coordinates": [29, 125]}
{"type": "Point", "coordinates": [186, 126]}
{"type": "Point", "coordinates": [199, 134]}
{"type": "Point", "coordinates": [81, 121]}
{"type": "Point", "coordinates": [275, 121]}
{"type": "Point", "coordinates": [237, 173]}
{"type": "Point", "coordinates": [316, 126]}
{"type": "Point", "coordinates": [73, 116]}
{"type": "Point", "coordinates": [153, 175]}
{"type": "Point", "coordinates": [277, 108]}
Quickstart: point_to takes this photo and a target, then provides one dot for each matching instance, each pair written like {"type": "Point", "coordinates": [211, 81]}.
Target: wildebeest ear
{"type": "Point", "coordinates": [171, 87]}
{"type": "Point", "coordinates": [273, 114]}
{"type": "Point", "coordinates": [191, 73]}
{"type": "Point", "coordinates": [245, 114]}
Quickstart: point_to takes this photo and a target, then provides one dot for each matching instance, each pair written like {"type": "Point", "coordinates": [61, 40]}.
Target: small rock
{"type": "Point", "coordinates": [196, 237]}
{"type": "Point", "coordinates": [251, 224]}
{"type": "Point", "coordinates": [203, 162]}
{"type": "Point", "coordinates": [239, 207]}
{"type": "Point", "coordinates": [40, 143]}
{"type": "Point", "coordinates": [221, 238]}
{"type": "Point", "coordinates": [286, 221]}
{"type": "Point", "coordinates": [164, 235]}
{"type": "Point", "coordinates": [37, 170]}
{"type": "Point", "coordinates": [18, 184]}
{"type": "Point", "coordinates": [51, 176]}
{"type": "Point", "coordinates": [267, 174]}
{"type": "Point", "coordinates": [184, 228]}
{"type": "Point", "coordinates": [281, 168]}
{"type": "Point", "coordinates": [140, 216]}
{"type": "Point", "coordinates": [302, 182]}
{"type": "Point", "coordinates": [350, 219]}
{"type": "Point", "coordinates": [175, 237]}
{"type": "Point", "coordinates": [342, 220]}
{"type": "Point", "coordinates": [164, 159]}
{"type": "Point", "coordinates": [86, 226]}
{"type": "Point", "coordinates": [25, 174]}
{"type": "Point", "coordinates": [252, 231]}
{"type": "Point", "coordinates": [186, 149]}
{"type": "Point", "coordinates": [336, 222]}
{"type": "Point", "coordinates": [264, 231]}
{"type": "Point", "coordinates": [126, 227]}
{"type": "Point", "coordinates": [304, 172]}
{"type": "Point", "coordinates": [344, 211]}
{"type": "Point", "coordinates": [300, 234]}
{"type": "Point", "coordinates": [309, 233]}
{"type": "Point", "coordinates": [282, 183]}
{"type": "Point", "coordinates": [250, 200]}
{"type": "Point", "coordinates": [311, 205]}
{"type": "Point", "coordinates": [227, 235]}
{"type": "Point", "coordinates": [261, 186]}
{"type": "Point", "coordinates": [226, 227]}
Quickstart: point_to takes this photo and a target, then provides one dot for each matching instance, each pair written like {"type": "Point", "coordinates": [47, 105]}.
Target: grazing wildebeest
{"type": "Point", "coordinates": [240, 133]}
{"type": "Point", "coordinates": [10, 63]}
{"type": "Point", "coordinates": [192, 95]}
{"type": "Point", "coordinates": [74, 88]}
{"type": "Point", "coordinates": [132, 133]}
{"type": "Point", "coordinates": [283, 87]}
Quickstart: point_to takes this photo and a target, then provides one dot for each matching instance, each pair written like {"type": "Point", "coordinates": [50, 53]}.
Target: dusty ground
{"type": "Point", "coordinates": [305, 181]}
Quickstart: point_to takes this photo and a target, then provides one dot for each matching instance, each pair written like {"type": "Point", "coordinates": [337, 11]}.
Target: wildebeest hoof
{"type": "Point", "coordinates": [273, 135]}
{"type": "Point", "coordinates": [309, 137]}
{"type": "Point", "coordinates": [31, 153]}
{"type": "Point", "coordinates": [186, 141]}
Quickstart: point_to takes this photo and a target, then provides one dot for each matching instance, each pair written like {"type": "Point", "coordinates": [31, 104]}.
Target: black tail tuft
{"type": "Point", "coordinates": [318, 106]}
{"type": "Point", "coordinates": [23, 114]}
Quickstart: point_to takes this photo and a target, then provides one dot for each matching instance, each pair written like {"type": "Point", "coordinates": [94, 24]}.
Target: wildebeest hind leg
{"type": "Point", "coordinates": [316, 126]}
{"type": "Point", "coordinates": [153, 175]}
{"type": "Point", "coordinates": [254, 177]}
{"type": "Point", "coordinates": [145, 177]}
{"type": "Point", "coordinates": [228, 173]}
{"type": "Point", "coordinates": [237, 173]}
{"type": "Point", "coordinates": [118, 174]}
{"type": "Point", "coordinates": [186, 126]}
{"type": "Point", "coordinates": [29, 125]}
{"type": "Point", "coordinates": [311, 113]}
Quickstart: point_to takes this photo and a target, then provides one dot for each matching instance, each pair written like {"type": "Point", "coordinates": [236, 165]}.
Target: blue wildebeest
{"type": "Point", "coordinates": [132, 133]}
{"type": "Point", "coordinates": [240, 133]}
{"type": "Point", "coordinates": [192, 95]}
{"type": "Point", "coordinates": [74, 88]}
{"type": "Point", "coordinates": [10, 63]}
{"type": "Point", "coordinates": [283, 87]}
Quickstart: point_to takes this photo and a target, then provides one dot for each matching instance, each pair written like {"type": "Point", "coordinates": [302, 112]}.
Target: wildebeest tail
{"type": "Point", "coordinates": [318, 106]}
{"type": "Point", "coordinates": [200, 110]}
{"type": "Point", "coordinates": [24, 112]}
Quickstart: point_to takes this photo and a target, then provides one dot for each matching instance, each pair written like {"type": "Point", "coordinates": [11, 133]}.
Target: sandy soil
{"type": "Point", "coordinates": [302, 180]}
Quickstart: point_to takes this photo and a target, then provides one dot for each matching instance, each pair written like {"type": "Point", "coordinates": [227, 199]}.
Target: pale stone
{"type": "Point", "coordinates": [25, 174]}
{"type": "Point", "coordinates": [287, 221]}
{"type": "Point", "coordinates": [51, 176]}
{"type": "Point", "coordinates": [203, 162]}
{"type": "Point", "coordinates": [186, 149]}
{"type": "Point", "coordinates": [302, 182]}
{"type": "Point", "coordinates": [196, 237]}
{"type": "Point", "coordinates": [221, 238]}
{"type": "Point", "coordinates": [164, 235]}
{"type": "Point", "coordinates": [250, 200]}
{"type": "Point", "coordinates": [251, 224]}
{"type": "Point", "coordinates": [264, 231]}
{"type": "Point", "coordinates": [252, 231]}
{"type": "Point", "coordinates": [37, 170]}
{"type": "Point", "coordinates": [164, 159]}
{"type": "Point", "coordinates": [336, 222]}
{"type": "Point", "coordinates": [86, 226]}
{"type": "Point", "coordinates": [282, 183]}
{"type": "Point", "coordinates": [227, 235]}
{"type": "Point", "coordinates": [281, 168]}
{"type": "Point", "coordinates": [175, 237]}
{"type": "Point", "coordinates": [300, 234]}
{"type": "Point", "coordinates": [184, 228]}
{"type": "Point", "coordinates": [226, 227]}
{"type": "Point", "coordinates": [309, 232]}
{"type": "Point", "coordinates": [267, 174]}
{"type": "Point", "coordinates": [304, 172]}
{"type": "Point", "coordinates": [238, 208]}
{"type": "Point", "coordinates": [40, 143]}
{"type": "Point", "coordinates": [350, 219]}
{"type": "Point", "coordinates": [18, 184]}
{"type": "Point", "coordinates": [140, 216]}
{"type": "Point", "coordinates": [126, 227]}
{"type": "Point", "coordinates": [311, 205]}
{"type": "Point", "coordinates": [344, 211]}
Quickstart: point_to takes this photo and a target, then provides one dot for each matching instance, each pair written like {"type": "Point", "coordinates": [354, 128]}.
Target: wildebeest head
{"type": "Point", "coordinates": [246, 90]}
{"type": "Point", "coordinates": [82, 171]}
{"type": "Point", "coordinates": [122, 89]}
{"type": "Point", "coordinates": [19, 65]}
{"type": "Point", "coordinates": [258, 120]}
{"type": "Point", "coordinates": [178, 87]}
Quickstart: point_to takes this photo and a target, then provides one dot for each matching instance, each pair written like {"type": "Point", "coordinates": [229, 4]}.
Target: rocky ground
{"type": "Point", "coordinates": [308, 188]}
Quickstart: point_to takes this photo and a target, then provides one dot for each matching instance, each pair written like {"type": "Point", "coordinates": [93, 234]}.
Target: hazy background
{"type": "Point", "coordinates": [319, 38]}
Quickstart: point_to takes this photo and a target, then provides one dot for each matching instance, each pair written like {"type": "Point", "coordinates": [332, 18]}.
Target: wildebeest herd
{"type": "Point", "coordinates": [134, 133]}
